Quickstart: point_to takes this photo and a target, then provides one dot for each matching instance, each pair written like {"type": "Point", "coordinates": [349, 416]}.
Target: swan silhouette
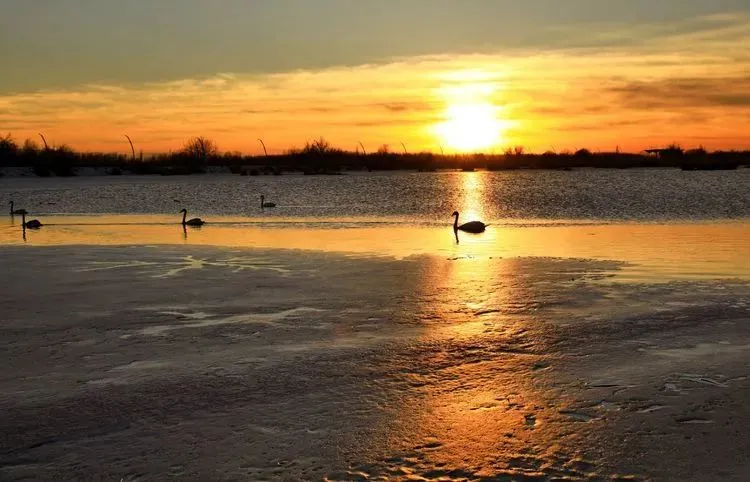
{"type": "Point", "coordinates": [13, 212]}
{"type": "Point", "coordinates": [475, 227]}
{"type": "Point", "coordinates": [191, 222]}
{"type": "Point", "coordinates": [33, 224]}
{"type": "Point", "coordinates": [264, 204]}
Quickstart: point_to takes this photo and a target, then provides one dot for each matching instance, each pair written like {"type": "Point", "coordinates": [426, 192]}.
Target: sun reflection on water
{"type": "Point", "coordinates": [663, 251]}
{"type": "Point", "coordinates": [478, 408]}
{"type": "Point", "coordinates": [473, 201]}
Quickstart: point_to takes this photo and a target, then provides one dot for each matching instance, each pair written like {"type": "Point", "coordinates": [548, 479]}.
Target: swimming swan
{"type": "Point", "coordinates": [33, 224]}
{"type": "Point", "coordinates": [191, 222]}
{"type": "Point", "coordinates": [265, 204]}
{"type": "Point", "coordinates": [13, 212]}
{"type": "Point", "coordinates": [475, 227]}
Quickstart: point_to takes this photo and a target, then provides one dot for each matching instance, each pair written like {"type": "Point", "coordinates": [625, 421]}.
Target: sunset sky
{"type": "Point", "coordinates": [464, 75]}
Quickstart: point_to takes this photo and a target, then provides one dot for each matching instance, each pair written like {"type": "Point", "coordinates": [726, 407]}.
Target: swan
{"type": "Point", "coordinates": [470, 227]}
{"type": "Point", "coordinates": [265, 204]}
{"type": "Point", "coordinates": [13, 212]}
{"type": "Point", "coordinates": [33, 224]}
{"type": "Point", "coordinates": [191, 222]}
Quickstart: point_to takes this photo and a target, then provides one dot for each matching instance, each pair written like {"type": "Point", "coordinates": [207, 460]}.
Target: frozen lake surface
{"type": "Point", "coordinates": [204, 363]}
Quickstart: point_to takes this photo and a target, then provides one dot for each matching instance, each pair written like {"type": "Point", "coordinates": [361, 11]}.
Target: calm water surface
{"type": "Point", "coordinates": [404, 197]}
{"type": "Point", "coordinates": [662, 223]}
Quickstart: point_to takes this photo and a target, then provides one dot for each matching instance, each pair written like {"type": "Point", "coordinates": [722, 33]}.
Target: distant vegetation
{"type": "Point", "coordinates": [320, 157]}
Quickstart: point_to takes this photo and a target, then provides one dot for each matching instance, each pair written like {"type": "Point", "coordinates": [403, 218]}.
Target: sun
{"type": "Point", "coordinates": [472, 120]}
{"type": "Point", "coordinates": [471, 127]}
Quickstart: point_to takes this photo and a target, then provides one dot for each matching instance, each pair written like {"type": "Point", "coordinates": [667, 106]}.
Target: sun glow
{"type": "Point", "coordinates": [473, 121]}
{"type": "Point", "coordinates": [471, 127]}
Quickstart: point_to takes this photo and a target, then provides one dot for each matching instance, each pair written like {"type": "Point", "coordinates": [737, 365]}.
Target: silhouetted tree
{"type": "Point", "coordinates": [319, 146]}
{"type": "Point", "coordinates": [672, 150]}
{"type": "Point", "coordinates": [514, 151]}
{"type": "Point", "coordinates": [62, 160]}
{"type": "Point", "coordinates": [8, 150]}
{"type": "Point", "coordinates": [30, 148]}
{"type": "Point", "coordinates": [200, 149]}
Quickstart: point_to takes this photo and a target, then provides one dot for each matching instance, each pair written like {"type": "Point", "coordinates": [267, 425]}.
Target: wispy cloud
{"type": "Point", "coordinates": [689, 92]}
{"type": "Point", "coordinates": [710, 31]}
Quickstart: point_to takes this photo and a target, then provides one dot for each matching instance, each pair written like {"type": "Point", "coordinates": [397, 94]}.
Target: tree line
{"type": "Point", "coordinates": [320, 157]}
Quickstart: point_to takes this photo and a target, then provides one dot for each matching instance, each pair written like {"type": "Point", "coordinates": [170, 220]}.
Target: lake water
{"type": "Point", "coordinates": [661, 223]}
{"type": "Point", "coordinates": [404, 197]}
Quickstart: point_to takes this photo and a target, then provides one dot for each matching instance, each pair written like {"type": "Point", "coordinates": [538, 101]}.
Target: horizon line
{"type": "Point", "coordinates": [436, 152]}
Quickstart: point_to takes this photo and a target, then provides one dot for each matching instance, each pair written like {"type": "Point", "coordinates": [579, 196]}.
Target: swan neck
{"type": "Point", "coordinates": [455, 221]}
{"type": "Point", "coordinates": [184, 215]}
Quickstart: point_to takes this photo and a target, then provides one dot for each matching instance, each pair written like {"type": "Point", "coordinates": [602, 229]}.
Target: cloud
{"type": "Point", "coordinates": [686, 93]}
{"type": "Point", "coordinates": [672, 83]}
{"type": "Point", "coordinates": [406, 106]}
{"type": "Point", "coordinates": [711, 31]}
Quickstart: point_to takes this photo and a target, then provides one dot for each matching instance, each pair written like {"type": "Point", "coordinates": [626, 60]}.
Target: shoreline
{"type": "Point", "coordinates": [650, 252]}
{"type": "Point", "coordinates": [258, 171]}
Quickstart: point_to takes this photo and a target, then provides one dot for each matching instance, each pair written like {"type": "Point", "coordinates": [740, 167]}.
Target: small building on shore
{"type": "Point", "coordinates": [666, 153]}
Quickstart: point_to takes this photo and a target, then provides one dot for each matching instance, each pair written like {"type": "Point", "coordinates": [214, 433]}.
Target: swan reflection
{"type": "Point", "coordinates": [13, 211]}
